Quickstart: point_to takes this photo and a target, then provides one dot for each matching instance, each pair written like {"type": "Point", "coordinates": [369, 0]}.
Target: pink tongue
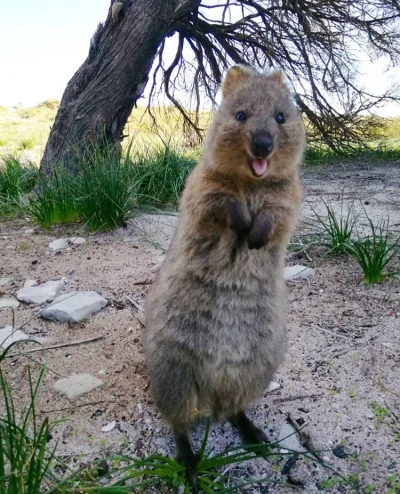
{"type": "Point", "coordinates": [259, 167]}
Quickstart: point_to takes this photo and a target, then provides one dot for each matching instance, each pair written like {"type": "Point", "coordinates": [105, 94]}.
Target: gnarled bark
{"type": "Point", "coordinates": [100, 96]}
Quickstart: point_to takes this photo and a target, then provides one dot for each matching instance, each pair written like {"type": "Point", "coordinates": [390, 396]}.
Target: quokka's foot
{"type": "Point", "coordinates": [249, 432]}
{"type": "Point", "coordinates": [188, 459]}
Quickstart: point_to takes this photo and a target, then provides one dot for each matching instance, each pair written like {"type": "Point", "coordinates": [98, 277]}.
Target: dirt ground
{"type": "Point", "coordinates": [341, 376]}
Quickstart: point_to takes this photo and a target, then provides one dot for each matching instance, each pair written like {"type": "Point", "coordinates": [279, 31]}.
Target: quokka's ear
{"type": "Point", "coordinates": [278, 76]}
{"type": "Point", "coordinates": [235, 77]}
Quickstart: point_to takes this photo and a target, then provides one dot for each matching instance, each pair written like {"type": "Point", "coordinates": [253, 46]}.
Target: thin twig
{"type": "Point", "coordinates": [297, 397]}
{"type": "Point", "coordinates": [332, 333]}
{"type": "Point", "coordinates": [61, 345]}
{"type": "Point", "coordinates": [135, 304]}
{"type": "Point", "coordinates": [77, 406]}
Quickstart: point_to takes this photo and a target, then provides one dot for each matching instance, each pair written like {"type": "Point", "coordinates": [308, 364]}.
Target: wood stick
{"type": "Point", "coordinates": [61, 345]}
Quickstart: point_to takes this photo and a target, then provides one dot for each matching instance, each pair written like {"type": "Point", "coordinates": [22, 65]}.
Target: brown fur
{"type": "Point", "coordinates": [216, 314]}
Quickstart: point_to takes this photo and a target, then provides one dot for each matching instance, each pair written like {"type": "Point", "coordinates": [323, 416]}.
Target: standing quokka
{"type": "Point", "coordinates": [215, 317]}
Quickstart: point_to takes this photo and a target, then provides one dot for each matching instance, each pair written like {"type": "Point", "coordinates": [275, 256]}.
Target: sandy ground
{"type": "Point", "coordinates": [344, 342]}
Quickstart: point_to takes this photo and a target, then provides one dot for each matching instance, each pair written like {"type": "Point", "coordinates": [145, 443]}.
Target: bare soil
{"type": "Point", "coordinates": [343, 358]}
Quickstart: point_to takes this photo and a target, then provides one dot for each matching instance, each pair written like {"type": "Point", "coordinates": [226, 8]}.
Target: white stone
{"type": "Point", "coordinates": [77, 385]}
{"type": "Point", "coordinates": [29, 283]}
{"type": "Point", "coordinates": [74, 306]}
{"type": "Point", "coordinates": [273, 386]}
{"type": "Point", "coordinates": [29, 231]}
{"type": "Point", "coordinates": [109, 427]}
{"type": "Point", "coordinates": [76, 240]}
{"type": "Point", "coordinates": [9, 302]}
{"type": "Point", "coordinates": [9, 335]}
{"type": "Point", "coordinates": [298, 271]}
{"type": "Point", "coordinates": [288, 439]}
{"type": "Point", "coordinates": [41, 293]}
{"type": "Point", "coordinates": [5, 281]}
{"type": "Point", "coordinates": [157, 266]}
{"type": "Point", "coordinates": [59, 244]}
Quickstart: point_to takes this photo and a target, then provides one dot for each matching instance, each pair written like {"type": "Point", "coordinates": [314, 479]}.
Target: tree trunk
{"type": "Point", "coordinates": [100, 96]}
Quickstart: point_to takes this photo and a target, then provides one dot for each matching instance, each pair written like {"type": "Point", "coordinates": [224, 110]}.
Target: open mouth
{"type": "Point", "coordinates": [258, 166]}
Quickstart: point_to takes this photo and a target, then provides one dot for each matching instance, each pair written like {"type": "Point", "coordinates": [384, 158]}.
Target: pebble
{"type": "Point", "coordinates": [9, 302]}
{"type": "Point", "coordinates": [77, 385]}
{"type": "Point", "coordinates": [298, 271]}
{"type": "Point", "coordinates": [74, 306]}
{"type": "Point", "coordinates": [41, 293]}
{"type": "Point", "coordinates": [59, 244]}
{"type": "Point", "coordinates": [29, 283]}
{"type": "Point", "coordinates": [109, 427]}
{"type": "Point", "coordinates": [9, 335]}
{"type": "Point", "coordinates": [157, 266]}
{"type": "Point", "coordinates": [273, 386]}
{"type": "Point", "coordinates": [29, 231]}
{"type": "Point", "coordinates": [76, 241]}
{"type": "Point", "coordinates": [289, 439]}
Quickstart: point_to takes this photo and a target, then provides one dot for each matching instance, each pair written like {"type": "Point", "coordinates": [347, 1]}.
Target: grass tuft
{"type": "Point", "coordinates": [17, 178]}
{"type": "Point", "coordinates": [159, 176]}
{"type": "Point", "coordinates": [103, 189]}
{"type": "Point", "coordinates": [375, 251]}
{"type": "Point", "coordinates": [54, 201]}
{"type": "Point", "coordinates": [24, 458]}
{"type": "Point", "coordinates": [337, 230]}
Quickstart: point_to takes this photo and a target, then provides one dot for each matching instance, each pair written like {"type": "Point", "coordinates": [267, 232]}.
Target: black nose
{"type": "Point", "coordinates": [262, 145]}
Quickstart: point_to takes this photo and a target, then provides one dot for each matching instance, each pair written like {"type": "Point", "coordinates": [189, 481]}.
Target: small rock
{"type": "Point", "coordinates": [370, 415]}
{"type": "Point", "coordinates": [77, 385]}
{"type": "Point", "coordinates": [76, 240]}
{"type": "Point", "coordinates": [101, 372]}
{"type": "Point", "coordinates": [298, 271]}
{"type": "Point", "coordinates": [29, 283]}
{"type": "Point", "coordinates": [9, 302]}
{"type": "Point", "coordinates": [340, 452]}
{"type": "Point", "coordinates": [109, 427]}
{"type": "Point", "coordinates": [288, 439]}
{"type": "Point", "coordinates": [29, 231]}
{"type": "Point", "coordinates": [157, 266]}
{"type": "Point", "coordinates": [59, 244]}
{"type": "Point", "coordinates": [9, 335]}
{"type": "Point", "coordinates": [41, 293]}
{"type": "Point", "coordinates": [273, 386]}
{"type": "Point", "coordinates": [5, 281]}
{"type": "Point", "coordinates": [74, 306]}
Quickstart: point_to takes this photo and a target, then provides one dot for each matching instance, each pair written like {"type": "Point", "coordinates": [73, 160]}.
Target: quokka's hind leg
{"type": "Point", "coordinates": [249, 432]}
{"type": "Point", "coordinates": [186, 457]}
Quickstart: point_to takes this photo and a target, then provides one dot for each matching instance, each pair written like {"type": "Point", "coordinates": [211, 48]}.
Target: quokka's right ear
{"type": "Point", "coordinates": [235, 77]}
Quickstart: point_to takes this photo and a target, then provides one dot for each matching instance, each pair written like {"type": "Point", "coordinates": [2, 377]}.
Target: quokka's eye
{"type": "Point", "coordinates": [241, 116]}
{"type": "Point", "coordinates": [280, 118]}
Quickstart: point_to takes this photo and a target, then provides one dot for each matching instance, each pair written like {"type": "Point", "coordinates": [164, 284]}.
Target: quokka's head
{"type": "Point", "coordinates": [257, 131]}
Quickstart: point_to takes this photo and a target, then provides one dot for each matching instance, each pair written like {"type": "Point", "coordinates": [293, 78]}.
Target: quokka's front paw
{"type": "Point", "coordinates": [261, 231]}
{"type": "Point", "coordinates": [239, 218]}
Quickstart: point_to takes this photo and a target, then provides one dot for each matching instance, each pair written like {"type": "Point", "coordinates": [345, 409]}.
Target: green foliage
{"type": "Point", "coordinates": [106, 187]}
{"type": "Point", "coordinates": [16, 179]}
{"type": "Point", "coordinates": [24, 458]}
{"type": "Point", "coordinates": [103, 191]}
{"type": "Point", "coordinates": [158, 176]}
{"type": "Point", "coordinates": [337, 231]}
{"type": "Point", "coordinates": [375, 251]}
{"type": "Point", "coordinates": [393, 482]}
{"type": "Point", "coordinates": [54, 201]}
